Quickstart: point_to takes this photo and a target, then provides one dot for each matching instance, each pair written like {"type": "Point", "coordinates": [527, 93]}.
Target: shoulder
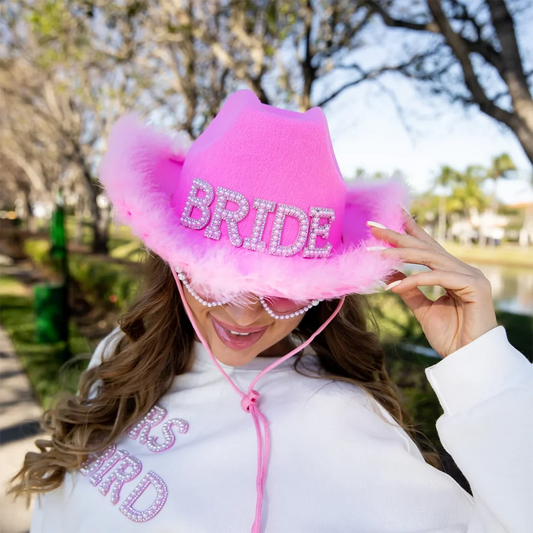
{"type": "Point", "coordinates": [105, 347]}
{"type": "Point", "coordinates": [348, 411]}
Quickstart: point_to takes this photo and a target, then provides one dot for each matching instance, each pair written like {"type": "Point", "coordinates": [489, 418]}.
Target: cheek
{"type": "Point", "coordinates": [284, 327]}
{"type": "Point", "coordinates": [200, 312]}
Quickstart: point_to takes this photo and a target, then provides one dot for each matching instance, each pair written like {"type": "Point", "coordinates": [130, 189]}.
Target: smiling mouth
{"type": "Point", "coordinates": [235, 337]}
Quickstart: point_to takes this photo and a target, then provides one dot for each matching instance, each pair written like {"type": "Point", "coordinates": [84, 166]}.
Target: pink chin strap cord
{"type": "Point", "coordinates": [249, 402]}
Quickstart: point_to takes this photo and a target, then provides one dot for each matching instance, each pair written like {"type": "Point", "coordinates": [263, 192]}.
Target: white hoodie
{"type": "Point", "coordinates": [338, 463]}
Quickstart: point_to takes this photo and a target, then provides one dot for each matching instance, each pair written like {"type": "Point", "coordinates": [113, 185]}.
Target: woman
{"type": "Point", "coordinates": [194, 417]}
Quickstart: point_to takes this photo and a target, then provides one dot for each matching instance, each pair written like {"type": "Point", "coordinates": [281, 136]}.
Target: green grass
{"type": "Point", "coordinates": [505, 255]}
{"type": "Point", "coordinates": [129, 250]}
{"type": "Point", "coordinates": [46, 364]}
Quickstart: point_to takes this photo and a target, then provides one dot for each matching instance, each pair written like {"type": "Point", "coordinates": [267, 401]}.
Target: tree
{"type": "Point", "coordinates": [201, 50]}
{"type": "Point", "coordinates": [467, 193]}
{"type": "Point", "coordinates": [59, 95]}
{"type": "Point", "coordinates": [469, 52]}
{"type": "Point", "coordinates": [501, 168]}
{"type": "Point", "coordinates": [445, 180]}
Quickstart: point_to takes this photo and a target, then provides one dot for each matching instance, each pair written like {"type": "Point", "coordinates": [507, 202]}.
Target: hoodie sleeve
{"type": "Point", "coordinates": [486, 391]}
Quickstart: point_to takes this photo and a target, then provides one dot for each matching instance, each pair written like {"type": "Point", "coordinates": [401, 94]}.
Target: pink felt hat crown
{"type": "Point", "coordinates": [256, 204]}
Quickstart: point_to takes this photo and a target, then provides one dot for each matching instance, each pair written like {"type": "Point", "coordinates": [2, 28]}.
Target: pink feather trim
{"type": "Point", "coordinates": [129, 174]}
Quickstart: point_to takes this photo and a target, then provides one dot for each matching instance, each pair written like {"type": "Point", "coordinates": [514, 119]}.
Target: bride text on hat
{"type": "Point", "coordinates": [309, 226]}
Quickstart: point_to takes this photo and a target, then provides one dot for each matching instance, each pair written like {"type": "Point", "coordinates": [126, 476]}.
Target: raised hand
{"type": "Point", "coordinates": [458, 317]}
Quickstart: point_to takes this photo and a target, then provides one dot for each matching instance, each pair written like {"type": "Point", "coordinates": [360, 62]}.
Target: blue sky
{"type": "Point", "coordinates": [367, 132]}
{"type": "Point", "coordinates": [372, 136]}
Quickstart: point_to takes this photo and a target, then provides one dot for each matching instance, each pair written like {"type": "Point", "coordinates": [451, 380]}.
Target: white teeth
{"type": "Point", "coordinates": [237, 333]}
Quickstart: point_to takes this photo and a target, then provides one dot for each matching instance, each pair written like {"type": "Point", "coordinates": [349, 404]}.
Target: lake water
{"type": "Point", "coordinates": [512, 287]}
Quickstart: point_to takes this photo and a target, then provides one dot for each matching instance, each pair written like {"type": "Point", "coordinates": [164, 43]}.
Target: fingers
{"type": "Point", "coordinates": [395, 275]}
{"type": "Point", "coordinates": [415, 236]}
{"type": "Point", "coordinates": [412, 228]}
{"type": "Point", "coordinates": [414, 298]}
{"type": "Point", "coordinates": [418, 247]}
{"type": "Point", "coordinates": [428, 257]}
{"type": "Point", "coordinates": [395, 238]}
{"type": "Point", "coordinates": [463, 285]}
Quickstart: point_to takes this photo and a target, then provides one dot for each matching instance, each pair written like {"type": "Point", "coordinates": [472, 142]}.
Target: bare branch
{"type": "Point", "coordinates": [429, 26]}
{"type": "Point", "coordinates": [461, 51]}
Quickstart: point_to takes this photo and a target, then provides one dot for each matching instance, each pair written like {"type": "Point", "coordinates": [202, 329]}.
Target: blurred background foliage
{"type": "Point", "coordinates": [69, 68]}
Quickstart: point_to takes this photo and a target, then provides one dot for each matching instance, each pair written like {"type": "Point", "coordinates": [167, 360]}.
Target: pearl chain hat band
{"type": "Point", "coordinates": [268, 307]}
{"type": "Point", "coordinates": [257, 204]}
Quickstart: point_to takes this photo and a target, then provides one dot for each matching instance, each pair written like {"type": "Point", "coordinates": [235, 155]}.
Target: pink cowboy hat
{"type": "Point", "coordinates": [256, 204]}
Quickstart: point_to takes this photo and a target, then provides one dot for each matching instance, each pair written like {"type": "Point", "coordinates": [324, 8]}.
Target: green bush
{"type": "Point", "coordinates": [107, 284]}
{"type": "Point", "coordinates": [110, 283]}
{"type": "Point", "coordinates": [45, 364]}
{"type": "Point", "coordinates": [38, 250]}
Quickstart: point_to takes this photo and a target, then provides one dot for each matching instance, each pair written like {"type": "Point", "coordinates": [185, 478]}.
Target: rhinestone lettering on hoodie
{"type": "Point", "coordinates": [169, 437]}
{"type": "Point", "coordinates": [151, 419]}
{"type": "Point", "coordinates": [112, 469]}
{"type": "Point", "coordinates": [151, 478]}
{"type": "Point", "coordinates": [126, 470]}
{"type": "Point", "coordinates": [95, 461]}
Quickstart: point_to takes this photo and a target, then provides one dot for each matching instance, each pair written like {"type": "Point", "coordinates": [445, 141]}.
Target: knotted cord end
{"type": "Point", "coordinates": [249, 400]}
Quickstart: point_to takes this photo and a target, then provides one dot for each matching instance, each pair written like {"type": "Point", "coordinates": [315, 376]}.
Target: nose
{"type": "Point", "coordinates": [245, 314]}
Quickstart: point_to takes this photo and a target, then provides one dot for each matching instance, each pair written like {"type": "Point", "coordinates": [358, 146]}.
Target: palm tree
{"type": "Point", "coordinates": [467, 192]}
{"type": "Point", "coordinates": [446, 179]}
{"type": "Point", "coordinates": [502, 167]}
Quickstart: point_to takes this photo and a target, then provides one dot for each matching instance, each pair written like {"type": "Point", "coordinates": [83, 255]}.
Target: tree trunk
{"type": "Point", "coordinates": [31, 223]}
{"type": "Point", "coordinates": [99, 224]}
{"type": "Point", "coordinates": [80, 212]}
{"type": "Point", "coordinates": [442, 219]}
{"type": "Point", "coordinates": [100, 227]}
{"type": "Point", "coordinates": [524, 136]}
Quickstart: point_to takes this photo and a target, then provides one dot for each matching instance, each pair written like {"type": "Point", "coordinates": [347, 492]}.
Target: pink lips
{"type": "Point", "coordinates": [237, 342]}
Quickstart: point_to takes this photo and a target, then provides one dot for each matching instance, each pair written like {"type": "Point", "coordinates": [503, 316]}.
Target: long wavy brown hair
{"type": "Point", "coordinates": [156, 347]}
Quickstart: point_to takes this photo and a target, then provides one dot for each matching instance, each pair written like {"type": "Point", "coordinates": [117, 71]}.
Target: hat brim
{"type": "Point", "coordinates": [130, 173]}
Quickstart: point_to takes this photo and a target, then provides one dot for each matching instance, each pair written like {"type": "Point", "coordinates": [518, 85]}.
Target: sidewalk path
{"type": "Point", "coordinates": [19, 425]}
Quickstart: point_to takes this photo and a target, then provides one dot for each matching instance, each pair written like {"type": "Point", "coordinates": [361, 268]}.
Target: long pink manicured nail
{"type": "Point", "coordinates": [393, 284]}
{"type": "Point", "coordinates": [375, 224]}
{"type": "Point", "coordinates": [375, 248]}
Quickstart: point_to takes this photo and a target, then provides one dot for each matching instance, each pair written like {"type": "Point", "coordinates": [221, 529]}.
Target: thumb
{"type": "Point", "coordinates": [414, 298]}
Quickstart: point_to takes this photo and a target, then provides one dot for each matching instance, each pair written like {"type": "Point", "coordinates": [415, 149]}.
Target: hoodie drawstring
{"type": "Point", "coordinates": [249, 402]}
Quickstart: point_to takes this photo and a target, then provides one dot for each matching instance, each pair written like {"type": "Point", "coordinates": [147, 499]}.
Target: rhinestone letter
{"type": "Point", "coordinates": [254, 242]}
{"type": "Point", "coordinates": [151, 419]}
{"type": "Point", "coordinates": [170, 438]}
{"type": "Point", "coordinates": [317, 213]}
{"type": "Point", "coordinates": [162, 492]}
{"type": "Point", "coordinates": [282, 212]}
{"type": "Point", "coordinates": [119, 476]}
{"type": "Point", "coordinates": [231, 217]}
{"type": "Point", "coordinates": [107, 466]}
{"type": "Point", "coordinates": [202, 204]}
{"type": "Point", "coordinates": [95, 461]}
